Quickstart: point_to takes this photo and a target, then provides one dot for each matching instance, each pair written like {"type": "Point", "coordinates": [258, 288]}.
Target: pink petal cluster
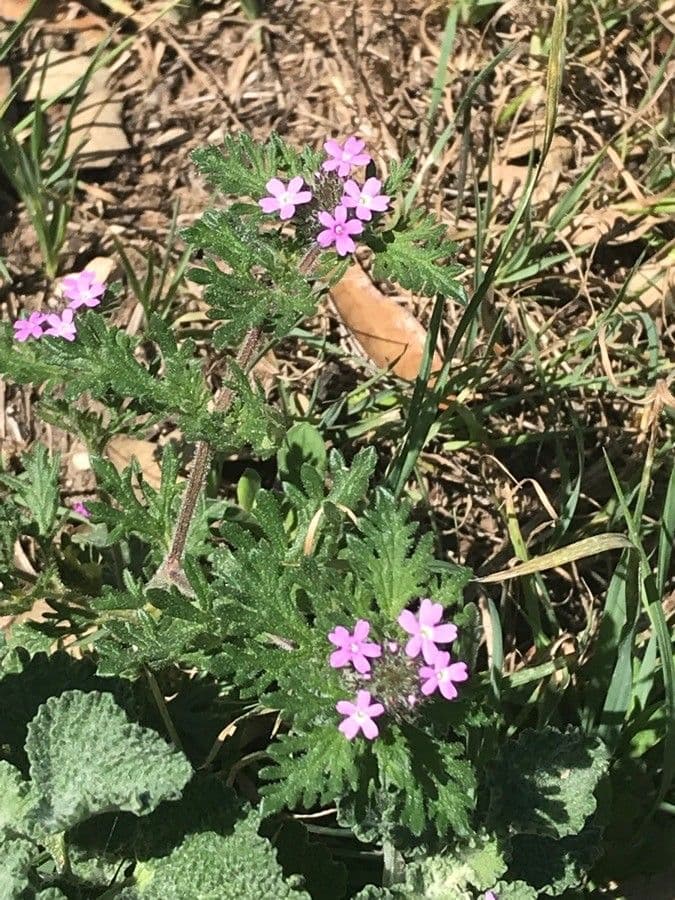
{"type": "Point", "coordinates": [365, 200]}
{"type": "Point", "coordinates": [81, 289]}
{"type": "Point", "coordinates": [354, 648]}
{"type": "Point", "coordinates": [81, 509]}
{"type": "Point", "coordinates": [342, 158]}
{"type": "Point", "coordinates": [435, 670]}
{"type": "Point", "coordinates": [342, 223]}
{"type": "Point", "coordinates": [359, 716]}
{"type": "Point", "coordinates": [284, 198]}
{"type": "Point", "coordinates": [443, 675]}
{"type": "Point", "coordinates": [338, 230]}
{"type": "Point", "coordinates": [30, 327]}
{"type": "Point", "coordinates": [426, 631]}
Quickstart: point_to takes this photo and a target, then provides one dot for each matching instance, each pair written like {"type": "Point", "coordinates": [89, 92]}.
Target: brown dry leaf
{"type": "Point", "coordinates": [14, 10]}
{"type": "Point", "coordinates": [56, 71]}
{"type": "Point", "coordinates": [387, 332]}
{"type": "Point", "coordinates": [510, 177]}
{"type": "Point", "coordinates": [598, 224]}
{"type": "Point", "coordinates": [653, 284]}
{"type": "Point", "coordinates": [121, 449]}
{"type": "Point", "coordinates": [98, 122]}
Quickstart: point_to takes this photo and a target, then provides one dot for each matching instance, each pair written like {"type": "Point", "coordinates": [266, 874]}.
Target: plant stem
{"type": "Point", "coordinates": [172, 568]}
{"type": "Point", "coordinates": [393, 863]}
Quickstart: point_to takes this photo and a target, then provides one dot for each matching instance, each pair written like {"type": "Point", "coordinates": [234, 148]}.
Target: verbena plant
{"type": "Point", "coordinates": [275, 696]}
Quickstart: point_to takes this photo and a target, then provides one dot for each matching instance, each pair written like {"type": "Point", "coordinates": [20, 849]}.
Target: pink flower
{"type": "Point", "coordinates": [338, 230]}
{"type": "Point", "coordinates": [30, 327]}
{"type": "Point", "coordinates": [425, 630]}
{"type": "Point", "coordinates": [360, 716]}
{"type": "Point", "coordinates": [345, 156]}
{"type": "Point", "coordinates": [81, 509]}
{"type": "Point", "coordinates": [490, 895]}
{"type": "Point", "coordinates": [61, 325]}
{"type": "Point", "coordinates": [82, 289]}
{"type": "Point", "coordinates": [365, 200]}
{"type": "Point", "coordinates": [354, 648]}
{"type": "Point", "coordinates": [443, 675]}
{"type": "Point", "coordinates": [283, 198]}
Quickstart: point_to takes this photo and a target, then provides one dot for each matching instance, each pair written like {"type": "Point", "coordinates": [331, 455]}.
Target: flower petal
{"type": "Point", "coordinates": [448, 689]}
{"type": "Point", "coordinates": [444, 634]}
{"type": "Point", "coordinates": [458, 671]}
{"type": "Point", "coordinates": [326, 219]}
{"type": "Point", "coordinates": [429, 686]}
{"type": "Point", "coordinates": [295, 184]}
{"type": "Point", "coordinates": [361, 630]}
{"type": "Point", "coordinates": [275, 186]}
{"type": "Point", "coordinates": [339, 659]}
{"type": "Point", "coordinates": [363, 699]}
{"type": "Point", "coordinates": [303, 197]}
{"type": "Point", "coordinates": [339, 636]}
{"type": "Point", "coordinates": [430, 613]}
{"type": "Point", "coordinates": [353, 226]}
{"type": "Point", "coordinates": [345, 708]}
{"type": "Point", "coordinates": [371, 650]}
{"type": "Point", "coordinates": [329, 165]}
{"type": "Point", "coordinates": [352, 189]}
{"type": "Point", "coordinates": [375, 709]}
{"type": "Point", "coordinates": [408, 622]}
{"type": "Point", "coordinates": [413, 647]}
{"type": "Point", "coordinates": [350, 728]}
{"type": "Point", "coordinates": [325, 238]}
{"type": "Point", "coordinates": [268, 204]}
{"type": "Point", "coordinates": [344, 245]}
{"type": "Point", "coordinates": [354, 145]}
{"type": "Point", "coordinates": [430, 651]}
{"type": "Point", "coordinates": [370, 729]}
{"type": "Point", "coordinates": [332, 147]}
{"type": "Point", "coordinates": [286, 211]}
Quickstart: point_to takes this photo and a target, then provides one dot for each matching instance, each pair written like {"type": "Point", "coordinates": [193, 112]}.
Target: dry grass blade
{"type": "Point", "coordinates": [579, 550]}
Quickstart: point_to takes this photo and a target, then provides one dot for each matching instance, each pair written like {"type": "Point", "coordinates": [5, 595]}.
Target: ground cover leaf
{"type": "Point", "coordinates": [543, 782]}
{"type": "Point", "coordinates": [210, 866]}
{"type": "Point", "coordinates": [87, 758]}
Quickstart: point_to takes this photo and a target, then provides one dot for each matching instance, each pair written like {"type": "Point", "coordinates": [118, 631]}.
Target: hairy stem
{"type": "Point", "coordinates": [171, 568]}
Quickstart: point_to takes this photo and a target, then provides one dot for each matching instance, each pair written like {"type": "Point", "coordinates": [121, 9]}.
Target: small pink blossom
{"type": "Point", "coordinates": [359, 716]}
{"type": "Point", "coordinates": [82, 289]}
{"type": "Point", "coordinates": [338, 231]}
{"type": "Point", "coordinates": [80, 508]}
{"type": "Point", "coordinates": [61, 325]}
{"type": "Point", "coordinates": [30, 327]}
{"type": "Point", "coordinates": [284, 198]}
{"type": "Point", "coordinates": [443, 675]}
{"type": "Point", "coordinates": [425, 630]}
{"type": "Point", "coordinates": [345, 157]}
{"type": "Point", "coordinates": [365, 200]}
{"type": "Point", "coordinates": [490, 895]}
{"type": "Point", "coordinates": [353, 648]}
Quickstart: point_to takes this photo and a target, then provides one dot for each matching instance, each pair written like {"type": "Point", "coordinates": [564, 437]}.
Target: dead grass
{"type": "Point", "coordinates": [573, 354]}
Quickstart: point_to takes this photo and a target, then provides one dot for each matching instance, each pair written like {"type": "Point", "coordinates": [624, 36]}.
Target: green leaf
{"type": "Point", "coordinates": [302, 445]}
{"type": "Point", "coordinates": [514, 890]}
{"type": "Point", "coordinates": [415, 255]}
{"type": "Point", "coordinates": [391, 567]}
{"type": "Point", "coordinates": [476, 864]}
{"type": "Point", "coordinates": [87, 758]}
{"type": "Point", "coordinates": [16, 859]}
{"type": "Point", "coordinates": [551, 866]}
{"type": "Point", "coordinates": [16, 800]}
{"type": "Point", "coordinates": [37, 488]}
{"type": "Point", "coordinates": [210, 866]}
{"type": "Point", "coordinates": [323, 878]}
{"type": "Point", "coordinates": [543, 782]}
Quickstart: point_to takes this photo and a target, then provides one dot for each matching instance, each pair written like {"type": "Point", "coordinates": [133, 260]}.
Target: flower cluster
{"type": "Point", "coordinates": [396, 678]}
{"type": "Point", "coordinates": [82, 289]}
{"type": "Point", "coordinates": [339, 204]}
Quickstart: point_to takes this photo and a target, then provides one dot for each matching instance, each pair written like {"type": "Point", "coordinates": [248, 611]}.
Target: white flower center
{"type": "Point", "coordinates": [360, 716]}
{"type": "Point", "coordinates": [354, 647]}
{"type": "Point", "coordinates": [285, 198]}
{"type": "Point", "coordinates": [365, 199]}
{"type": "Point", "coordinates": [443, 675]}
{"type": "Point", "coordinates": [339, 229]}
{"type": "Point", "coordinates": [427, 632]}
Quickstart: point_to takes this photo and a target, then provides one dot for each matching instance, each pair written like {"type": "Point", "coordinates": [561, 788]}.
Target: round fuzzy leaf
{"type": "Point", "coordinates": [210, 866]}
{"type": "Point", "coordinates": [86, 758]}
{"type": "Point", "coordinates": [16, 858]}
{"type": "Point", "coordinates": [553, 867]}
{"type": "Point", "coordinates": [302, 445]}
{"type": "Point", "coordinates": [15, 800]}
{"type": "Point", "coordinates": [543, 782]}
